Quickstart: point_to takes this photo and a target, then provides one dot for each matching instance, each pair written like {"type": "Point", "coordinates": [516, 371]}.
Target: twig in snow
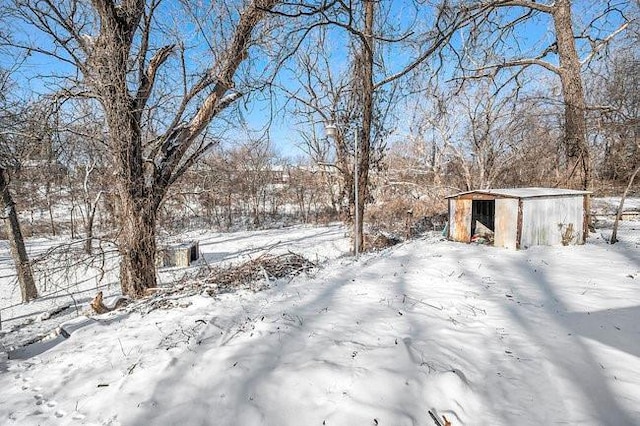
{"type": "Point", "coordinates": [435, 419]}
{"type": "Point", "coordinates": [424, 303]}
{"type": "Point", "coordinates": [122, 348]}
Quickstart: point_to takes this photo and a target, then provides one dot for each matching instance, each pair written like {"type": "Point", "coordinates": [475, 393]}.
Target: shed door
{"type": "Point", "coordinates": [506, 223]}
{"type": "Point", "coordinates": [460, 220]}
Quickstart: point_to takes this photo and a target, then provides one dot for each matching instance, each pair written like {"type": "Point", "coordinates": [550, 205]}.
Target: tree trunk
{"type": "Point", "coordinates": [575, 134]}
{"type": "Point", "coordinates": [52, 222]}
{"type": "Point", "coordinates": [137, 247]}
{"type": "Point", "coordinates": [137, 216]}
{"type": "Point", "coordinates": [73, 206]}
{"type": "Point", "coordinates": [229, 216]}
{"type": "Point", "coordinates": [72, 223]}
{"type": "Point", "coordinates": [88, 242]}
{"type": "Point", "coordinates": [16, 242]}
{"type": "Point", "coordinates": [575, 122]}
{"type": "Point", "coordinates": [106, 72]}
{"type": "Point", "coordinates": [91, 214]}
{"type": "Point", "coordinates": [345, 166]}
{"type": "Point", "coordinates": [367, 116]}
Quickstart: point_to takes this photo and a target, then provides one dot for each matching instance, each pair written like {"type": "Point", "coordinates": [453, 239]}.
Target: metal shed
{"type": "Point", "coordinates": [519, 217]}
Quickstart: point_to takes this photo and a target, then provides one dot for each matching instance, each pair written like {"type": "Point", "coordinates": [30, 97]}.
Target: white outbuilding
{"type": "Point", "coordinates": [519, 217]}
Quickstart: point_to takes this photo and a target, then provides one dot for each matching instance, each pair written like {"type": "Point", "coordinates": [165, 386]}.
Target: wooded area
{"type": "Point", "coordinates": [122, 119]}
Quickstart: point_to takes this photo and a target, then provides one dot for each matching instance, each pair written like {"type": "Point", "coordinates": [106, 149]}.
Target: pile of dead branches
{"type": "Point", "coordinates": [254, 275]}
{"type": "Point", "coordinates": [257, 273]}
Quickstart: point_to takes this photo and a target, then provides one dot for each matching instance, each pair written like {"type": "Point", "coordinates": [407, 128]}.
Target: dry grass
{"type": "Point", "coordinates": [403, 219]}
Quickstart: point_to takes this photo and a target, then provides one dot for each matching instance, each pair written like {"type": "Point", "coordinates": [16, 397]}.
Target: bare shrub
{"type": "Point", "coordinates": [404, 218]}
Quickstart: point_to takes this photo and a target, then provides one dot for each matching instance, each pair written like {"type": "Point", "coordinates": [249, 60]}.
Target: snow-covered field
{"type": "Point", "coordinates": [484, 336]}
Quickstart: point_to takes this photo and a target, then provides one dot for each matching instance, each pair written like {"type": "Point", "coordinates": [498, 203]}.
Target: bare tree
{"type": "Point", "coordinates": [80, 131]}
{"type": "Point", "coordinates": [473, 129]}
{"type": "Point", "coordinates": [504, 28]}
{"type": "Point", "coordinates": [615, 103]}
{"type": "Point", "coordinates": [222, 181]}
{"type": "Point", "coordinates": [324, 94]}
{"type": "Point", "coordinates": [253, 162]}
{"type": "Point", "coordinates": [375, 72]}
{"type": "Point", "coordinates": [8, 161]}
{"type": "Point", "coordinates": [112, 45]}
{"type": "Point", "coordinates": [615, 114]}
{"type": "Point", "coordinates": [16, 241]}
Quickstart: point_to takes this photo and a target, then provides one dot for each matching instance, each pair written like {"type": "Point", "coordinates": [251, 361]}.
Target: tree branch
{"type": "Point", "coordinates": [531, 4]}
{"type": "Point", "coordinates": [603, 43]}
{"type": "Point", "coordinates": [177, 141]}
{"type": "Point", "coordinates": [521, 63]}
{"type": "Point", "coordinates": [148, 77]}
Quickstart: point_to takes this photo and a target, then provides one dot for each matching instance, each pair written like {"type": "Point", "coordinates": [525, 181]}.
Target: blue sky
{"type": "Point", "coordinates": [282, 131]}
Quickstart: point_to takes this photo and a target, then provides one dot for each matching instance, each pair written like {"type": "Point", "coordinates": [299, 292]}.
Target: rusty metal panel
{"type": "Point", "coordinates": [506, 223]}
{"type": "Point", "coordinates": [460, 220]}
{"type": "Point", "coordinates": [552, 221]}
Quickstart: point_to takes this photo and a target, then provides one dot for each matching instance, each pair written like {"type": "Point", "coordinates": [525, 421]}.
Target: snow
{"type": "Point", "coordinates": [64, 290]}
{"type": "Point", "coordinates": [609, 205]}
{"type": "Point", "coordinates": [483, 335]}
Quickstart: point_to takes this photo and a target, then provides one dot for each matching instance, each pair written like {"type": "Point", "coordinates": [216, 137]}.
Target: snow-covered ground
{"type": "Point", "coordinates": [609, 205]}
{"type": "Point", "coordinates": [484, 336]}
{"type": "Point", "coordinates": [69, 279]}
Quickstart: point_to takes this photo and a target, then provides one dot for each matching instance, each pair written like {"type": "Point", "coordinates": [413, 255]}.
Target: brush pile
{"type": "Point", "coordinates": [257, 273]}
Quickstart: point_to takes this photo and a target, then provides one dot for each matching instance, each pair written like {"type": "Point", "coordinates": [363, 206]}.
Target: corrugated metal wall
{"type": "Point", "coordinates": [546, 220]}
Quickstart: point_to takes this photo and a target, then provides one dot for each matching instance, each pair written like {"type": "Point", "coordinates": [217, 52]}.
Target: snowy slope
{"type": "Point", "coordinates": [485, 336]}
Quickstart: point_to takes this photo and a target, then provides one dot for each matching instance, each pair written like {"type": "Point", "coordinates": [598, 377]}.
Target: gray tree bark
{"type": "Point", "coordinates": [16, 242]}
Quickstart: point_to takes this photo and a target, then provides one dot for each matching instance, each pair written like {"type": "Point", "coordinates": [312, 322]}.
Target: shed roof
{"type": "Point", "coordinates": [524, 192]}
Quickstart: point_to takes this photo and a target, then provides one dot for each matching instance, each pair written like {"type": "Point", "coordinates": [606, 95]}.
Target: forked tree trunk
{"type": "Point", "coordinates": [16, 242]}
{"type": "Point", "coordinates": [142, 182]}
{"type": "Point", "coordinates": [52, 222]}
